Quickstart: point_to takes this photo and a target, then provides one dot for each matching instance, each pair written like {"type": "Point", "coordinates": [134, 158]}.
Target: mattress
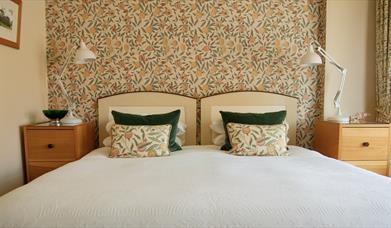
{"type": "Point", "coordinates": [202, 187]}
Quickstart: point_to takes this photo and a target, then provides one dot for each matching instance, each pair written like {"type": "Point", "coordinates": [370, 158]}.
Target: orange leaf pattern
{"type": "Point", "coordinates": [139, 141]}
{"type": "Point", "coordinates": [194, 48]}
{"type": "Point", "coordinates": [257, 140]}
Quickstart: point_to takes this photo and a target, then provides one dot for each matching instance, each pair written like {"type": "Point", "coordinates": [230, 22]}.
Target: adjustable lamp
{"type": "Point", "coordinates": [83, 56]}
{"type": "Point", "coordinates": [311, 58]}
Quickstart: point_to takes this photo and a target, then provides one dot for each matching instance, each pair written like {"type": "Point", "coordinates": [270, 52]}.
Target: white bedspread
{"type": "Point", "coordinates": [202, 187]}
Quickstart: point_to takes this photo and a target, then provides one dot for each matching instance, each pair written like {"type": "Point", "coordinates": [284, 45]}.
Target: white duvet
{"type": "Point", "coordinates": [202, 187]}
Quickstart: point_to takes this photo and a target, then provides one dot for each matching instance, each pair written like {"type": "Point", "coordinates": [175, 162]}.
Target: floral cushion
{"type": "Point", "coordinates": [257, 140]}
{"type": "Point", "coordinates": [218, 132]}
{"type": "Point", "coordinates": [140, 140]}
{"type": "Point", "coordinates": [179, 139]}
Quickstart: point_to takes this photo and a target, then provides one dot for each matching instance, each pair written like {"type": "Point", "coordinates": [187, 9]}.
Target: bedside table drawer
{"type": "Point", "coordinates": [51, 145]}
{"type": "Point", "coordinates": [47, 147]}
{"type": "Point", "coordinates": [380, 167]}
{"type": "Point", "coordinates": [360, 144]}
{"type": "Point", "coordinates": [39, 168]}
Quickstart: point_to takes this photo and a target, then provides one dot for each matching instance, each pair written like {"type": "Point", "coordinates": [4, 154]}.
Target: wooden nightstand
{"type": "Point", "coordinates": [49, 147]}
{"type": "Point", "coordinates": [363, 145]}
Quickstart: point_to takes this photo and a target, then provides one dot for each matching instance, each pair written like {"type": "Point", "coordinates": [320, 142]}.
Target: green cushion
{"type": "Point", "coordinates": [156, 119]}
{"type": "Point", "coordinates": [269, 118]}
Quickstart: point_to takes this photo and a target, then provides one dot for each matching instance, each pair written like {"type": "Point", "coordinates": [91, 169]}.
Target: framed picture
{"type": "Point", "coordinates": [10, 18]}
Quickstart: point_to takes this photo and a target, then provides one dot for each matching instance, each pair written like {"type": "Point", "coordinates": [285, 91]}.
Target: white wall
{"type": "Point", "coordinates": [23, 92]}
{"type": "Point", "coordinates": [350, 39]}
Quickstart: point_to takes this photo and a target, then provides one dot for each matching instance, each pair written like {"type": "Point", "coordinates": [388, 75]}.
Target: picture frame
{"type": "Point", "coordinates": [10, 22]}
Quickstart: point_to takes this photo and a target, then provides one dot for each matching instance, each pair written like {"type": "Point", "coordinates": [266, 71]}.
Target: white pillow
{"type": "Point", "coordinates": [287, 129]}
{"type": "Point", "coordinates": [219, 140]}
{"type": "Point", "coordinates": [217, 127]}
{"type": "Point", "coordinates": [180, 139]}
{"type": "Point", "coordinates": [181, 129]}
{"type": "Point", "coordinates": [218, 133]}
{"type": "Point", "coordinates": [109, 125]}
{"type": "Point", "coordinates": [107, 141]}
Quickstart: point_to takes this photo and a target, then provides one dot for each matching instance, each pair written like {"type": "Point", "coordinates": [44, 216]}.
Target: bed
{"type": "Point", "coordinates": [201, 186]}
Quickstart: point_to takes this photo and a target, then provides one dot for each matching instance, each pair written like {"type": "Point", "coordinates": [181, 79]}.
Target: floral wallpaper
{"type": "Point", "coordinates": [194, 48]}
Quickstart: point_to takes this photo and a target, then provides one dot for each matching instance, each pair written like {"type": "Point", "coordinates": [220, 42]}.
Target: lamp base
{"type": "Point", "coordinates": [70, 120]}
{"type": "Point", "coordinates": [339, 119]}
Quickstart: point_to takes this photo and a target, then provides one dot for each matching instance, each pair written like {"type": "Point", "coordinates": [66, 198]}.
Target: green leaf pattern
{"type": "Point", "coordinates": [193, 48]}
{"type": "Point", "coordinates": [140, 141]}
{"type": "Point", "coordinates": [257, 140]}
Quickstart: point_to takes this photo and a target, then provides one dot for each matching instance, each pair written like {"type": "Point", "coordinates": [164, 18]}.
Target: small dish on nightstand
{"type": "Point", "coordinates": [55, 115]}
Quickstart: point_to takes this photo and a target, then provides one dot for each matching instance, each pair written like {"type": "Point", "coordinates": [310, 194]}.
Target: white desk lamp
{"type": "Point", "coordinates": [311, 58]}
{"type": "Point", "coordinates": [83, 56]}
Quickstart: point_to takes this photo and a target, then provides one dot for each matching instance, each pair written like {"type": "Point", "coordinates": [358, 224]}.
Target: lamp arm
{"type": "Point", "coordinates": [337, 98]}
{"type": "Point", "coordinates": [330, 59]}
{"type": "Point", "coordinates": [59, 76]}
{"type": "Point", "coordinates": [342, 70]}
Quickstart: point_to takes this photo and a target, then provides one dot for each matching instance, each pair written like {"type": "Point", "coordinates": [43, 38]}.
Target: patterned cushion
{"type": "Point", "coordinates": [140, 140]}
{"type": "Point", "coordinates": [267, 118]}
{"type": "Point", "coordinates": [180, 138]}
{"type": "Point", "coordinates": [218, 133]}
{"type": "Point", "coordinates": [259, 140]}
{"type": "Point", "coordinates": [171, 118]}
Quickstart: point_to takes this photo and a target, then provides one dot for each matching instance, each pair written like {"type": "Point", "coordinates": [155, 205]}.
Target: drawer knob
{"type": "Point", "coordinates": [50, 146]}
{"type": "Point", "coordinates": [365, 144]}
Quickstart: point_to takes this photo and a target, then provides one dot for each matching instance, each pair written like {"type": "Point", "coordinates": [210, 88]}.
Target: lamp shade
{"type": "Point", "coordinates": [84, 55]}
{"type": "Point", "coordinates": [311, 58]}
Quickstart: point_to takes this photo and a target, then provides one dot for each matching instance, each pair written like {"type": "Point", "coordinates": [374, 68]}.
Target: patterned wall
{"type": "Point", "coordinates": [194, 48]}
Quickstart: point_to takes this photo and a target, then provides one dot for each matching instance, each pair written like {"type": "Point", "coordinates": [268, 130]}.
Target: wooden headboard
{"type": "Point", "coordinates": [149, 103]}
{"type": "Point", "coordinates": [258, 102]}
